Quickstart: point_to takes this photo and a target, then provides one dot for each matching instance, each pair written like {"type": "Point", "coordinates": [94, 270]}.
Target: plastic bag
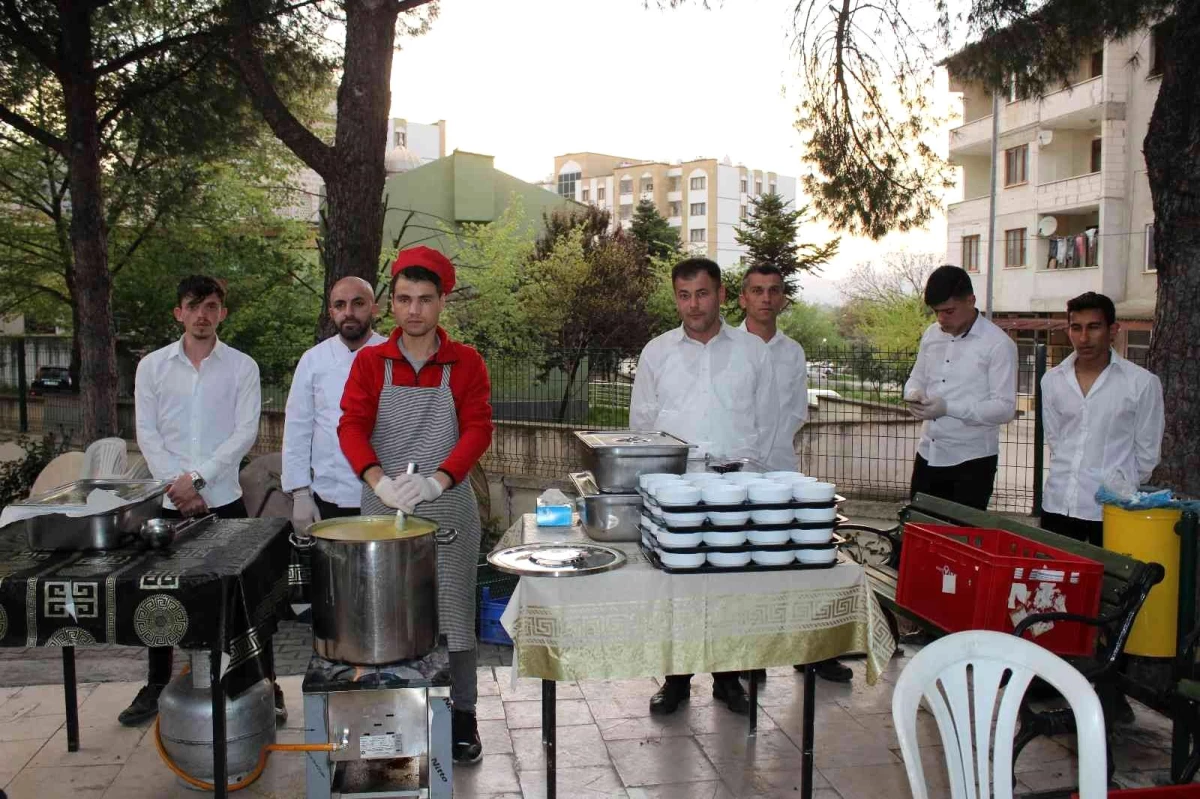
{"type": "Point", "coordinates": [553, 509]}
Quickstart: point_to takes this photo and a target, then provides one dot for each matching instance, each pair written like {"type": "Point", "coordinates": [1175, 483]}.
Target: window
{"type": "Point", "coordinates": [697, 209]}
{"type": "Point", "coordinates": [758, 187]}
{"type": "Point", "coordinates": [696, 234]}
{"type": "Point", "coordinates": [1137, 346]}
{"type": "Point", "coordinates": [1014, 247]}
{"type": "Point", "coordinates": [599, 194]}
{"type": "Point", "coordinates": [743, 212]}
{"type": "Point", "coordinates": [674, 208]}
{"type": "Point", "coordinates": [627, 212]}
{"type": "Point", "coordinates": [647, 184]}
{"type": "Point", "coordinates": [1096, 150]}
{"type": "Point", "coordinates": [626, 185]}
{"type": "Point", "coordinates": [697, 183]}
{"type": "Point", "coordinates": [1016, 89]}
{"type": "Point", "coordinates": [1016, 163]}
{"type": "Point", "coordinates": [1096, 68]}
{"type": "Point", "coordinates": [400, 139]}
{"type": "Point", "coordinates": [673, 184]}
{"type": "Point", "coordinates": [771, 188]}
{"type": "Point", "coordinates": [744, 185]}
{"type": "Point", "coordinates": [970, 253]}
{"type": "Point", "coordinates": [1150, 265]}
{"type": "Point", "coordinates": [1160, 36]}
{"type": "Point", "coordinates": [566, 184]}
{"type": "Point", "coordinates": [586, 195]}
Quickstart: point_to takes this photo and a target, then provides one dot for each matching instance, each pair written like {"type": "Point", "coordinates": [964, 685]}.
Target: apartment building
{"type": "Point", "coordinates": [410, 145]}
{"type": "Point", "coordinates": [1073, 202]}
{"type": "Point", "coordinates": [705, 198]}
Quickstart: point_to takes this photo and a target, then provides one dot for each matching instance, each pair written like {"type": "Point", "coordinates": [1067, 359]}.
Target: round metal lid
{"type": "Point", "coordinates": [556, 560]}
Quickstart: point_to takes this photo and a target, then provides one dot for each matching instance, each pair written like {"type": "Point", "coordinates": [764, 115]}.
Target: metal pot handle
{"type": "Point", "coordinates": [445, 535]}
{"type": "Point", "coordinates": [301, 540]}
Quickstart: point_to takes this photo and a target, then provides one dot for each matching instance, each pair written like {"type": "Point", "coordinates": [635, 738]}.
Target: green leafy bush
{"type": "Point", "coordinates": [16, 477]}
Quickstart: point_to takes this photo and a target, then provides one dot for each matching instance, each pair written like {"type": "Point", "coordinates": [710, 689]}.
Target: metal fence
{"type": "Point", "coordinates": [859, 434]}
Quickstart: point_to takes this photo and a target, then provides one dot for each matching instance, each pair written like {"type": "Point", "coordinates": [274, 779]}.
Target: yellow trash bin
{"type": "Point", "coordinates": [1149, 536]}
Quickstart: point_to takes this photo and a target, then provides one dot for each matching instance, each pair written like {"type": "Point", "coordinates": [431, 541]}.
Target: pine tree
{"type": "Point", "coordinates": [652, 229]}
{"type": "Point", "coordinates": [769, 233]}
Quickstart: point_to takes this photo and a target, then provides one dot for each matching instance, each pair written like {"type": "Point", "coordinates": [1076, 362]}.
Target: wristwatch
{"type": "Point", "coordinates": [198, 482]}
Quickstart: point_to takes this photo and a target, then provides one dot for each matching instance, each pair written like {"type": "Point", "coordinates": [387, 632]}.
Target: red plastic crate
{"type": "Point", "coordinates": [1191, 791]}
{"type": "Point", "coordinates": [974, 578]}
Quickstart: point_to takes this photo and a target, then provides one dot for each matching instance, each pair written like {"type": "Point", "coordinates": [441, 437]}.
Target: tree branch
{"type": "Point", "coordinates": [31, 130]}
{"type": "Point", "coordinates": [29, 39]}
{"type": "Point", "coordinates": [408, 5]}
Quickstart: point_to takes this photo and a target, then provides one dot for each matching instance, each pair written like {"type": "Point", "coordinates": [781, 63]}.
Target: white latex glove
{"type": "Point", "coordinates": [389, 494]}
{"type": "Point", "coordinates": [304, 510]}
{"type": "Point", "coordinates": [930, 409]}
{"type": "Point", "coordinates": [415, 489]}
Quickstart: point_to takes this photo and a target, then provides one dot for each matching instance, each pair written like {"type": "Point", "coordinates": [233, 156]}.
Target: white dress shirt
{"type": "Point", "coordinates": [976, 374]}
{"type": "Point", "coordinates": [719, 396]}
{"type": "Point", "coordinates": [312, 455]}
{"type": "Point", "coordinates": [1117, 427]}
{"type": "Point", "coordinates": [791, 380]}
{"type": "Point", "coordinates": [202, 420]}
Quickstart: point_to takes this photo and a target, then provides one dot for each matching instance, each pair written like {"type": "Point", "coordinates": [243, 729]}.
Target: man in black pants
{"type": "Point", "coordinates": [963, 387]}
{"type": "Point", "coordinates": [197, 402]}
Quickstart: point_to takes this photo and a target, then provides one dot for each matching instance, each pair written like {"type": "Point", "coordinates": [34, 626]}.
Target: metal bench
{"type": "Point", "coordinates": [1127, 582]}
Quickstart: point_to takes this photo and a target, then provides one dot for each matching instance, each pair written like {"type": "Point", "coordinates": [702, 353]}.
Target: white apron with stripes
{"type": "Point", "coordinates": [419, 425]}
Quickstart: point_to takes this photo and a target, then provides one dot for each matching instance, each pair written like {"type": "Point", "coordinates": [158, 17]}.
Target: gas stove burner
{"type": "Point", "coordinates": [328, 675]}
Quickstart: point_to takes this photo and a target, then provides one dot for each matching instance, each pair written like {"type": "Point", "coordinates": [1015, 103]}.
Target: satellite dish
{"type": "Point", "coordinates": [1047, 226]}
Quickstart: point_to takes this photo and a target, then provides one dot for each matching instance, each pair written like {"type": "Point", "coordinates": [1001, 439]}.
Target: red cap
{"type": "Point", "coordinates": [429, 259]}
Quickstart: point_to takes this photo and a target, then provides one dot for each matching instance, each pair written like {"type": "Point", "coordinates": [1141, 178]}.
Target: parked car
{"type": "Point", "coordinates": [51, 380]}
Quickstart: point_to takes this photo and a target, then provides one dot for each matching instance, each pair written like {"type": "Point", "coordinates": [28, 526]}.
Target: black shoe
{"type": "Point", "coordinates": [143, 707]}
{"type": "Point", "coordinates": [667, 700]}
{"type": "Point", "coordinates": [834, 671]}
{"type": "Point", "coordinates": [733, 695]}
{"type": "Point", "coordinates": [759, 676]}
{"type": "Point", "coordinates": [465, 743]}
{"type": "Point", "coordinates": [280, 708]}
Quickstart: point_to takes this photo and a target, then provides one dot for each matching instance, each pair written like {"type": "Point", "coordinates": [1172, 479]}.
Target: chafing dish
{"type": "Point", "coordinates": [607, 517]}
{"type": "Point", "coordinates": [616, 457]}
{"type": "Point", "coordinates": [68, 526]}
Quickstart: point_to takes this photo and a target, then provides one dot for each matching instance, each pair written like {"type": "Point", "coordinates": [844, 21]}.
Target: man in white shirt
{"type": "Point", "coordinates": [321, 482]}
{"type": "Point", "coordinates": [196, 402]}
{"type": "Point", "coordinates": [964, 387]}
{"type": "Point", "coordinates": [1103, 418]}
{"type": "Point", "coordinates": [711, 385]}
{"type": "Point", "coordinates": [763, 299]}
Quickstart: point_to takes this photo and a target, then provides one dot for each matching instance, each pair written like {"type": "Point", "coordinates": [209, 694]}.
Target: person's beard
{"type": "Point", "coordinates": [358, 331]}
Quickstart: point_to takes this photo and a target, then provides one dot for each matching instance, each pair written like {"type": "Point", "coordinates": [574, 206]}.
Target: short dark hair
{"type": "Point", "coordinates": [690, 267]}
{"type": "Point", "coordinates": [762, 269]}
{"type": "Point", "coordinates": [1091, 301]}
{"type": "Point", "coordinates": [416, 274]}
{"type": "Point", "coordinates": [200, 287]}
{"type": "Point", "coordinates": [947, 282]}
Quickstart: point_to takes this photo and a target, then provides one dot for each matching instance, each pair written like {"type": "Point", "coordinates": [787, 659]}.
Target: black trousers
{"type": "Point", "coordinates": [968, 483]}
{"type": "Point", "coordinates": [161, 658]}
{"type": "Point", "coordinates": [330, 511]}
{"type": "Point", "coordinates": [1085, 530]}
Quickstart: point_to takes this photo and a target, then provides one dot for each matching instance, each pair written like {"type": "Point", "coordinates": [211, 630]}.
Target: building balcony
{"type": "Point", "coordinates": [1070, 194]}
{"type": "Point", "coordinates": [675, 196]}
{"type": "Point", "coordinates": [675, 221]}
{"type": "Point", "coordinates": [973, 138]}
{"type": "Point", "coordinates": [971, 210]}
{"type": "Point", "coordinates": [1078, 106]}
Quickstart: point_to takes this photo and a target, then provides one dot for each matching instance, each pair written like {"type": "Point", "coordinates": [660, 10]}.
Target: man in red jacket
{"type": "Point", "coordinates": [423, 398]}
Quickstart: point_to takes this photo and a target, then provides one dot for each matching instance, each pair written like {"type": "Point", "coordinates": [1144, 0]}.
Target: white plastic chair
{"type": "Point", "coordinates": [960, 677]}
{"type": "Point", "coordinates": [105, 458]}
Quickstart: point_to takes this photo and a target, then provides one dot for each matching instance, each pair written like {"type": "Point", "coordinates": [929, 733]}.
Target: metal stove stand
{"type": "Point", "coordinates": [393, 723]}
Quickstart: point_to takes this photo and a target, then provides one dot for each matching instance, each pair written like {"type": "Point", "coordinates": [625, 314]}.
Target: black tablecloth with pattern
{"type": "Point", "coordinates": [140, 597]}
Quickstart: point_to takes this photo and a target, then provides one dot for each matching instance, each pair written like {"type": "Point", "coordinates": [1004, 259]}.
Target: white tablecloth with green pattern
{"type": "Point", "coordinates": [637, 621]}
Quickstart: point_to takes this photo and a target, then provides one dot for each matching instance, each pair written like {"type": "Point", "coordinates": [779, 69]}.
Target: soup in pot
{"type": "Point", "coordinates": [371, 528]}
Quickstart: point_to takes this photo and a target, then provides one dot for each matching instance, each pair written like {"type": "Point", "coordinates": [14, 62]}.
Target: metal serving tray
{"type": "Point", "coordinates": [617, 457]}
{"type": "Point", "coordinates": [57, 531]}
{"type": "Point", "coordinates": [607, 517]}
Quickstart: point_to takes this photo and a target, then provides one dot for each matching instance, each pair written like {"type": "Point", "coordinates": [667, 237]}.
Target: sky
{"type": "Point", "coordinates": [526, 80]}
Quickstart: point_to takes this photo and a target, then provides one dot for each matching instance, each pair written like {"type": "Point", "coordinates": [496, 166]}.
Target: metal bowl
{"type": "Point", "coordinates": [157, 533]}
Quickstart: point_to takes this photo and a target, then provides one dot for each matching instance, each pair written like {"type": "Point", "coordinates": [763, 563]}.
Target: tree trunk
{"type": "Point", "coordinates": [1172, 149]}
{"type": "Point", "coordinates": [354, 215]}
{"type": "Point", "coordinates": [91, 283]}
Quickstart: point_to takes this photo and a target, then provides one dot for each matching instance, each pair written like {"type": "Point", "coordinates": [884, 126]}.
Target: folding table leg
{"type": "Point", "coordinates": [549, 737]}
{"type": "Point", "coordinates": [68, 660]}
{"type": "Point", "coordinates": [753, 698]}
{"type": "Point", "coordinates": [810, 714]}
{"type": "Point", "coordinates": [220, 745]}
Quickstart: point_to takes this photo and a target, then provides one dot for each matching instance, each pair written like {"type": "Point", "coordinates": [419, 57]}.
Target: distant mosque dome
{"type": "Point", "coordinates": [400, 159]}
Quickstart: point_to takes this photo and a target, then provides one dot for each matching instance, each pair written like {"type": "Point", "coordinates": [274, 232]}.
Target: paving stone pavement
{"type": "Point", "coordinates": [101, 664]}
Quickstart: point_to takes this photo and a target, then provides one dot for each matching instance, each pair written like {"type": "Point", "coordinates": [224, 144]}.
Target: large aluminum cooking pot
{"type": "Point", "coordinates": [374, 588]}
